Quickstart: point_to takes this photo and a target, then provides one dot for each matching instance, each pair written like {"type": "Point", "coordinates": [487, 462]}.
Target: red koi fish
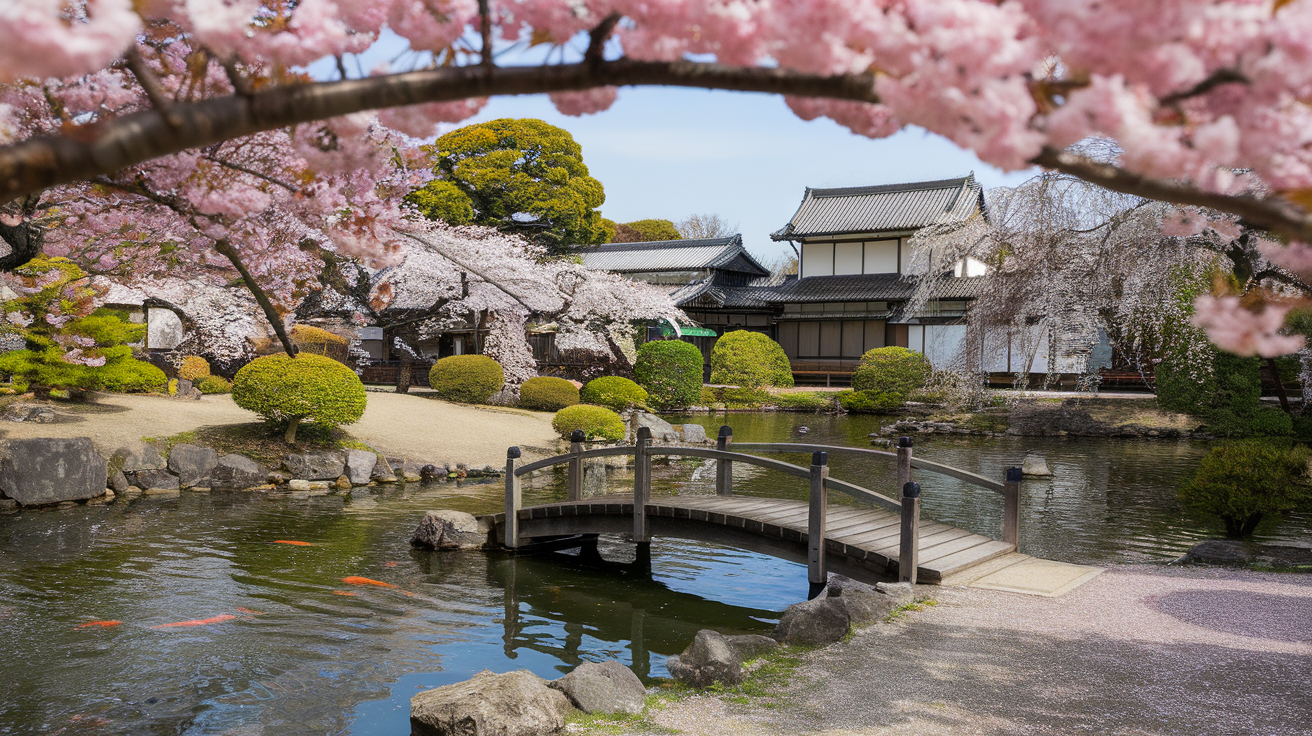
{"type": "Point", "coordinates": [198, 622]}
{"type": "Point", "coordinates": [249, 611]}
{"type": "Point", "coordinates": [357, 580]}
{"type": "Point", "coordinates": [101, 624]}
{"type": "Point", "coordinates": [293, 542]}
{"type": "Point", "coordinates": [343, 592]}
{"type": "Point", "coordinates": [391, 564]}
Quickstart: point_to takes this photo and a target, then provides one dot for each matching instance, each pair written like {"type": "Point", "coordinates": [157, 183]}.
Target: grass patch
{"type": "Point", "coordinates": [620, 723]}
{"type": "Point", "coordinates": [901, 611]}
{"type": "Point", "coordinates": [260, 443]}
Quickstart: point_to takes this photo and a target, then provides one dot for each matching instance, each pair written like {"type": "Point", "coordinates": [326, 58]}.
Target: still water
{"type": "Point", "coordinates": [296, 650]}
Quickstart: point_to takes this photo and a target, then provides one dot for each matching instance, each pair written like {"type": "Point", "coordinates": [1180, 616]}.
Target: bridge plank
{"type": "Point", "coordinates": [954, 546]}
{"type": "Point", "coordinates": [929, 540]}
{"type": "Point", "coordinates": [968, 558]}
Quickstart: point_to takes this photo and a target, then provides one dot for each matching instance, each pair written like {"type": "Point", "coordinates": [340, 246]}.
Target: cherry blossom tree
{"type": "Point", "coordinates": [1207, 99]}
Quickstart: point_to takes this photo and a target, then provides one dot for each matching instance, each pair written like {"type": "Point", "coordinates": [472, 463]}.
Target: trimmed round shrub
{"type": "Point", "coordinates": [545, 393]}
{"type": "Point", "coordinates": [214, 385]}
{"type": "Point", "coordinates": [613, 392]}
{"type": "Point", "coordinates": [671, 372]}
{"type": "Point", "coordinates": [286, 391]}
{"type": "Point", "coordinates": [891, 370]}
{"type": "Point", "coordinates": [750, 360]}
{"type": "Point", "coordinates": [471, 379]}
{"type": "Point", "coordinates": [595, 421]}
{"type": "Point", "coordinates": [1243, 481]}
{"type": "Point", "coordinates": [131, 376]}
{"type": "Point", "coordinates": [870, 402]}
{"type": "Point", "coordinates": [193, 368]}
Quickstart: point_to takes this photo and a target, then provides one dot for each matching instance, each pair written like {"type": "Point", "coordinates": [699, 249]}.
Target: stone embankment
{"type": "Point", "coordinates": [1091, 417]}
{"type": "Point", "coordinates": [63, 472]}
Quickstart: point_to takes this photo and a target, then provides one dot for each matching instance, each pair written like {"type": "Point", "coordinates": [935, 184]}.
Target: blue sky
{"type": "Point", "coordinates": [664, 152]}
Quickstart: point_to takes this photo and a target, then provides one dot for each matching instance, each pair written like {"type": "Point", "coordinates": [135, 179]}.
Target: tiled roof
{"type": "Point", "coordinates": [869, 287]}
{"type": "Point", "coordinates": [674, 255]}
{"type": "Point", "coordinates": [710, 292]}
{"type": "Point", "coordinates": [888, 207]}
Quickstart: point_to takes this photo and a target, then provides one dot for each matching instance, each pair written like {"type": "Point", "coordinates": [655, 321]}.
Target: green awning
{"type": "Point", "coordinates": [667, 331]}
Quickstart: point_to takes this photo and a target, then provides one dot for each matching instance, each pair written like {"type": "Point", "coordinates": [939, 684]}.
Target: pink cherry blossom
{"type": "Point", "coordinates": [1238, 330]}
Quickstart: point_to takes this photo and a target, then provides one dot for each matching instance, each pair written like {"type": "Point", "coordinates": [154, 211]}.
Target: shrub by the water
{"type": "Point", "coordinates": [613, 392]}
{"type": "Point", "coordinates": [595, 421]}
{"type": "Point", "coordinates": [750, 360]}
{"type": "Point", "coordinates": [545, 393]}
{"type": "Point", "coordinates": [870, 402]}
{"type": "Point", "coordinates": [193, 368]}
{"type": "Point", "coordinates": [734, 397]}
{"type": "Point", "coordinates": [891, 370]}
{"type": "Point", "coordinates": [671, 372]}
{"type": "Point", "coordinates": [286, 391]}
{"type": "Point", "coordinates": [471, 379]}
{"type": "Point", "coordinates": [1229, 399]}
{"type": "Point", "coordinates": [1243, 481]}
{"type": "Point", "coordinates": [214, 385]}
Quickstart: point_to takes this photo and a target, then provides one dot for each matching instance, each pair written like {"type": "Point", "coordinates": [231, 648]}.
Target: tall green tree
{"type": "Point", "coordinates": [518, 175]}
{"type": "Point", "coordinates": [645, 231]}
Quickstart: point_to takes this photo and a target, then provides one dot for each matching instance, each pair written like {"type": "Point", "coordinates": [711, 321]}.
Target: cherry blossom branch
{"type": "Point", "coordinates": [1265, 213]}
{"type": "Point", "coordinates": [270, 313]}
{"type": "Point", "coordinates": [597, 38]}
{"type": "Point", "coordinates": [150, 83]}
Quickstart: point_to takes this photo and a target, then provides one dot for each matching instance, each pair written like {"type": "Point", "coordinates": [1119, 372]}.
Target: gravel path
{"type": "Point", "coordinates": [1138, 650]}
{"type": "Point", "coordinates": [399, 425]}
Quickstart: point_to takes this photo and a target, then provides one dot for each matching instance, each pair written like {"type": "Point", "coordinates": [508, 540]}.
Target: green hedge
{"type": "Point", "coordinates": [286, 390]}
{"type": "Point", "coordinates": [213, 385]}
{"type": "Point", "coordinates": [545, 393]}
{"type": "Point", "coordinates": [595, 421]}
{"type": "Point", "coordinates": [1229, 400]}
{"type": "Point", "coordinates": [1243, 481]}
{"type": "Point", "coordinates": [471, 379]}
{"type": "Point", "coordinates": [750, 360]}
{"type": "Point", "coordinates": [613, 392]}
{"type": "Point", "coordinates": [734, 397]}
{"type": "Point", "coordinates": [671, 372]}
{"type": "Point", "coordinates": [870, 402]}
{"type": "Point", "coordinates": [891, 370]}
{"type": "Point", "coordinates": [194, 368]}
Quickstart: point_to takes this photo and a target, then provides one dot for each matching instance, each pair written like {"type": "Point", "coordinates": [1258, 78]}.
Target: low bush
{"type": "Point", "coordinates": [471, 379]}
{"type": "Point", "coordinates": [671, 372]}
{"type": "Point", "coordinates": [808, 401]}
{"type": "Point", "coordinates": [734, 397]}
{"type": "Point", "coordinates": [545, 393]}
{"type": "Point", "coordinates": [870, 402]}
{"type": "Point", "coordinates": [286, 391]}
{"type": "Point", "coordinates": [613, 392]}
{"type": "Point", "coordinates": [891, 370]}
{"type": "Point", "coordinates": [1243, 481]}
{"type": "Point", "coordinates": [214, 385]}
{"type": "Point", "coordinates": [131, 376]}
{"type": "Point", "coordinates": [750, 360]}
{"type": "Point", "coordinates": [595, 421]}
{"type": "Point", "coordinates": [193, 368]}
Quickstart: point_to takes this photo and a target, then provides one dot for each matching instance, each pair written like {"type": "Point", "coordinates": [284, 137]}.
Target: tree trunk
{"type": "Point", "coordinates": [1305, 377]}
{"type": "Point", "coordinates": [290, 435]}
{"type": "Point", "coordinates": [403, 374]}
{"type": "Point", "coordinates": [266, 305]}
{"type": "Point", "coordinates": [1280, 386]}
{"type": "Point", "coordinates": [1241, 527]}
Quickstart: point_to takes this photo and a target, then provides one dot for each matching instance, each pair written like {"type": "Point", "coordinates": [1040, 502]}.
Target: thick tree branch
{"type": "Point", "coordinates": [150, 83]}
{"type": "Point", "coordinates": [485, 59]}
{"type": "Point", "coordinates": [1266, 213]}
{"type": "Point", "coordinates": [597, 39]}
{"type": "Point", "coordinates": [35, 164]}
{"type": "Point", "coordinates": [270, 313]}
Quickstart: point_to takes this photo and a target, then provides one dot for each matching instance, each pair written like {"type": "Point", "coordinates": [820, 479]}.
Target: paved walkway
{"type": "Point", "coordinates": [399, 425]}
{"type": "Point", "coordinates": [1136, 650]}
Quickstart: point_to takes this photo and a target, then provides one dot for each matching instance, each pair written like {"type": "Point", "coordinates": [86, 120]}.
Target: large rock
{"type": "Point", "coordinates": [193, 464]}
{"type": "Point", "coordinates": [41, 471]}
{"type": "Point", "coordinates": [360, 466]}
{"type": "Point", "coordinates": [158, 480]}
{"type": "Point", "coordinates": [693, 434]}
{"type": "Point", "coordinates": [139, 456]}
{"type": "Point", "coordinates": [447, 529]}
{"type": "Point", "coordinates": [315, 465]}
{"type": "Point", "coordinates": [661, 430]}
{"type": "Point", "coordinates": [516, 703]}
{"type": "Point", "coordinates": [818, 621]}
{"type": "Point", "coordinates": [605, 687]}
{"type": "Point", "coordinates": [708, 660]}
{"type": "Point", "coordinates": [751, 646]}
{"type": "Point", "coordinates": [1035, 466]}
{"type": "Point", "coordinates": [864, 603]}
{"type": "Point", "coordinates": [118, 481]}
{"type": "Point", "coordinates": [237, 472]}
{"type": "Point", "coordinates": [1219, 552]}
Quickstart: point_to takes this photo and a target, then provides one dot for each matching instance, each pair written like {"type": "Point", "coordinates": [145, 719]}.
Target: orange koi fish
{"type": "Point", "coordinates": [293, 542]}
{"type": "Point", "coordinates": [249, 611]}
{"type": "Point", "coordinates": [198, 622]}
{"type": "Point", "coordinates": [343, 592]}
{"type": "Point", "coordinates": [101, 624]}
{"type": "Point", "coordinates": [357, 580]}
{"type": "Point", "coordinates": [391, 564]}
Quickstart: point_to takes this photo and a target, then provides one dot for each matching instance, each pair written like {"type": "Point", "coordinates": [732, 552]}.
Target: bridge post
{"type": "Point", "coordinates": [641, 486]}
{"type": "Point", "coordinates": [908, 559]}
{"type": "Point", "coordinates": [724, 468]}
{"type": "Point", "coordinates": [816, 573]}
{"type": "Point", "coordinates": [576, 465]}
{"type": "Point", "coordinates": [903, 462]}
{"type": "Point", "coordinates": [1011, 507]}
{"type": "Point", "coordinates": [513, 499]}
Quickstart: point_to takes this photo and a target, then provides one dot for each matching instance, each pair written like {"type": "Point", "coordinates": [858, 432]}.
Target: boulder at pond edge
{"type": "Point", "coordinates": [37, 471]}
{"type": "Point", "coordinates": [516, 703]}
{"type": "Point", "coordinates": [708, 660]}
{"type": "Point", "coordinates": [603, 687]}
{"type": "Point", "coordinates": [446, 529]}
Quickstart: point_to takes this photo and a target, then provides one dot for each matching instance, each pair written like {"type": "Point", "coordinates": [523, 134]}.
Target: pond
{"type": "Point", "coordinates": [293, 649]}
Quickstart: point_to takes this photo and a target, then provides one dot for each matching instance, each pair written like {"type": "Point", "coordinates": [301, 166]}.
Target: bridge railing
{"type": "Point", "coordinates": [907, 505]}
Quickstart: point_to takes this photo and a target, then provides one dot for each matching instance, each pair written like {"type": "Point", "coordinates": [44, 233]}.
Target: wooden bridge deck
{"type": "Point", "coordinates": [858, 539]}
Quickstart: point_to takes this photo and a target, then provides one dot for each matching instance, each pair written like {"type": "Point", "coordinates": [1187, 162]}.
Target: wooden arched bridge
{"type": "Point", "coordinates": [883, 538]}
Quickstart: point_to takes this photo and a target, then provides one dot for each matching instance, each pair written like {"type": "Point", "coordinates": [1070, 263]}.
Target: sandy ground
{"type": "Point", "coordinates": [1139, 650]}
{"type": "Point", "coordinates": [406, 426]}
